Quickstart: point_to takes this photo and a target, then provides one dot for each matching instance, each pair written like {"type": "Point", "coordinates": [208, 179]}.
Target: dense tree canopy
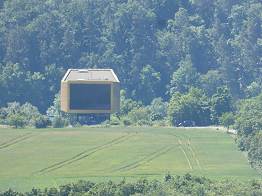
{"type": "Point", "coordinates": [155, 46]}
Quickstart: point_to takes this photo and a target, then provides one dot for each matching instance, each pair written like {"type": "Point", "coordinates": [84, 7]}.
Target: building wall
{"type": "Point", "coordinates": [115, 98]}
{"type": "Point", "coordinates": [65, 98]}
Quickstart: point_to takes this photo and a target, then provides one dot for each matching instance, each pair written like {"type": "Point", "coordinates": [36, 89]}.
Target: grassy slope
{"type": "Point", "coordinates": [50, 157]}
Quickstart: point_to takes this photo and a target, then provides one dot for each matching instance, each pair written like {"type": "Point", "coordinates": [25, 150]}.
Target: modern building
{"type": "Point", "coordinates": [90, 91]}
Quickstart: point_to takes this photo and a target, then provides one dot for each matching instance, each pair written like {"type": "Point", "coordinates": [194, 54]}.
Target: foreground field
{"type": "Point", "coordinates": [42, 158]}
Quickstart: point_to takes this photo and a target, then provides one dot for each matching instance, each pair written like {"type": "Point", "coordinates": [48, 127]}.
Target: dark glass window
{"type": "Point", "coordinates": [90, 96]}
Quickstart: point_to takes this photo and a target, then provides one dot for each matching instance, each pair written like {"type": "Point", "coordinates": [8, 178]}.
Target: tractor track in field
{"type": "Point", "coordinates": [186, 140]}
{"type": "Point", "coordinates": [16, 140]}
{"type": "Point", "coordinates": [145, 159]}
{"type": "Point", "coordinates": [84, 154]}
{"type": "Point", "coordinates": [194, 154]}
{"type": "Point", "coordinates": [185, 154]}
{"type": "Point", "coordinates": [180, 142]}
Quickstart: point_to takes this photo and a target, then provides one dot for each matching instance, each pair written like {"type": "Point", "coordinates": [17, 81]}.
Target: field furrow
{"type": "Point", "coordinates": [84, 154]}
{"type": "Point", "coordinates": [193, 154]}
{"type": "Point", "coordinates": [145, 159]}
{"type": "Point", "coordinates": [34, 158]}
{"type": "Point", "coordinates": [16, 140]}
{"type": "Point", "coordinates": [185, 154]}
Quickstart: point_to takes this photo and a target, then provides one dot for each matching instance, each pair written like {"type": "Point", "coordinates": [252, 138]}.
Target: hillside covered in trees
{"type": "Point", "coordinates": [174, 58]}
{"type": "Point", "coordinates": [157, 47]}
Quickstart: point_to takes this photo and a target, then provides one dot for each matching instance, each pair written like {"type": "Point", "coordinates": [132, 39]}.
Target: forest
{"type": "Point", "coordinates": [180, 62]}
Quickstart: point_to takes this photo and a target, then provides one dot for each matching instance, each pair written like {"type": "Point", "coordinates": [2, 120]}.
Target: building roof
{"type": "Point", "coordinates": [90, 75]}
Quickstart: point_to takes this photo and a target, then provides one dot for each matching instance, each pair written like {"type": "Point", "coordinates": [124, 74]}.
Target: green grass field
{"type": "Point", "coordinates": [49, 157]}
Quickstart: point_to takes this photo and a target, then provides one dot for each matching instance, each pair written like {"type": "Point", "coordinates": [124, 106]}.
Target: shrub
{"type": "Point", "coordinates": [106, 123]}
{"type": "Point", "coordinates": [255, 151]}
{"type": "Point", "coordinates": [141, 114]}
{"type": "Point", "coordinates": [30, 113]}
{"type": "Point", "coordinates": [41, 121]}
{"type": "Point", "coordinates": [19, 115]}
{"type": "Point", "coordinates": [59, 122]}
{"type": "Point", "coordinates": [158, 109]}
{"type": "Point", "coordinates": [144, 122]}
{"type": "Point", "coordinates": [126, 121]}
{"type": "Point", "coordinates": [171, 185]}
{"type": "Point", "coordinates": [114, 120]}
{"type": "Point", "coordinates": [17, 120]}
{"type": "Point", "coordinates": [161, 123]}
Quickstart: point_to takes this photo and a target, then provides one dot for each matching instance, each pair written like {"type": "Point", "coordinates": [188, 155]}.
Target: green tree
{"type": "Point", "coordinates": [127, 104]}
{"type": "Point", "coordinates": [140, 116]}
{"type": "Point", "coordinates": [190, 109]}
{"type": "Point", "coordinates": [150, 82]}
{"type": "Point", "coordinates": [249, 116]}
{"type": "Point", "coordinates": [221, 102]}
{"type": "Point", "coordinates": [253, 90]}
{"type": "Point", "coordinates": [158, 109]}
{"type": "Point", "coordinates": [227, 119]}
{"type": "Point", "coordinates": [255, 151]}
{"type": "Point", "coordinates": [249, 126]}
{"type": "Point", "coordinates": [211, 81]}
{"type": "Point", "coordinates": [184, 78]}
{"type": "Point", "coordinates": [59, 118]}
